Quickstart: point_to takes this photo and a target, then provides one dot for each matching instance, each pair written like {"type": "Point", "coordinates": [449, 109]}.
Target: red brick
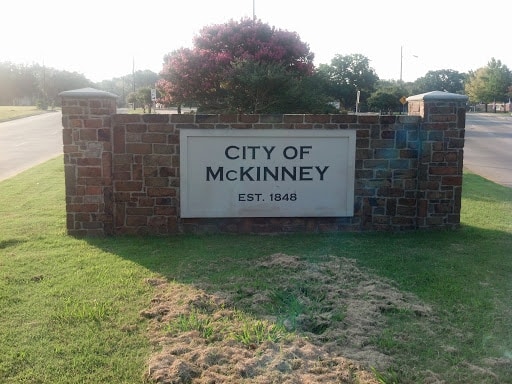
{"type": "Point", "coordinates": [228, 118]}
{"type": "Point", "coordinates": [165, 210]}
{"type": "Point", "coordinates": [128, 185]}
{"type": "Point", "coordinates": [159, 192]}
{"type": "Point", "coordinates": [88, 161]}
{"type": "Point", "coordinates": [207, 119]}
{"type": "Point", "coordinates": [137, 171]}
{"type": "Point", "coordinates": [317, 119]}
{"type": "Point", "coordinates": [67, 136]}
{"type": "Point", "coordinates": [249, 119]}
{"type": "Point", "coordinates": [119, 140]}
{"type": "Point", "coordinates": [344, 119]}
{"type": "Point", "coordinates": [94, 190]}
{"type": "Point", "coordinates": [159, 138]}
{"type": "Point", "coordinates": [70, 148]}
{"type": "Point", "coordinates": [443, 170]}
{"type": "Point", "coordinates": [452, 157]}
{"type": "Point", "coordinates": [88, 135]}
{"type": "Point", "coordinates": [274, 118]}
{"type": "Point", "coordinates": [97, 181]}
{"type": "Point", "coordinates": [126, 118]}
{"type": "Point", "coordinates": [158, 221]}
{"type": "Point", "coordinates": [156, 118]}
{"type": "Point", "coordinates": [104, 134]}
{"type": "Point", "coordinates": [93, 123]}
{"type": "Point", "coordinates": [100, 111]}
{"type": "Point", "coordinates": [139, 148]}
{"type": "Point", "coordinates": [181, 118]}
{"type": "Point", "coordinates": [76, 123]}
{"type": "Point", "coordinates": [146, 202]}
{"type": "Point", "coordinates": [72, 110]}
{"type": "Point", "coordinates": [451, 180]}
{"type": "Point", "coordinates": [82, 207]}
{"type": "Point", "coordinates": [161, 128]}
{"type": "Point", "coordinates": [137, 128]}
{"type": "Point", "coordinates": [137, 211]}
{"type": "Point", "coordinates": [89, 172]}
{"type": "Point", "coordinates": [388, 135]}
{"type": "Point", "coordinates": [443, 118]}
{"type": "Point", "coordinates": [298, 118]}
{"type": "Point", "coordinates": [136, 221]}
{"type": "Point", "coordinates": [156, 182]}
{"type": "Point", "coordinates": [368, 119]}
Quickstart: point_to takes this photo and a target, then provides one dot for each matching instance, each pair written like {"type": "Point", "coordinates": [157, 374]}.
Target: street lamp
{"type": "Point", "coordinates": [401, 61]}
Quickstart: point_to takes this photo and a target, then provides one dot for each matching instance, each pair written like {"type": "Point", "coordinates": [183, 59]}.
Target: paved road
{"type": "Point", "coordinates": [488, 146]}
{"type": "Point", "coordinates": [28, 142]}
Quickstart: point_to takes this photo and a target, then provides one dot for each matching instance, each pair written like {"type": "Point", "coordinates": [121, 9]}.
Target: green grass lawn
{"type": "Point", "coordinates": [16, 112]}
{"type": "Point", "coordinates": [70, 308]}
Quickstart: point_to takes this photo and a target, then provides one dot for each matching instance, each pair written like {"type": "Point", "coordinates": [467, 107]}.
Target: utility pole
{"type": "Point", "coordinates": [401, 60]}
{"type": "Point", "coordinates": [253, 10]}
{"type": "Point", "coordinates": [133, 79]}
{"type": "Point", "coordinates": [44, 80]}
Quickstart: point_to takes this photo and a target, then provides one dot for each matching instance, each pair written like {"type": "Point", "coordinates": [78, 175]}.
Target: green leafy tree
{"type": "Point", "coordinates": [26, 84]}
{"type": "Point", "coordinates": [310, 95]}
{"type": "Point", "coordinates": [52, 82]}
{"type": "Point", "coordinates": [124, 85]}
{"type": "Point", "coordinates": [446, 80]}
{"type": "Point", "coordinates": [270, 88]}
{"type": "Point", "coordinates": [18, 84]}
{"type": "Point", "coordinates": [347, 75]}
{"type": "Point", "coordinates": [120, 86]}
{"type": "Point", "coordinates": [489, 84]}
{"type": "Point", "coordinates": [387, 97]}
{"type": "Point", "coordinates": [256, 87]}
{"type": "Point", "coordinates": [384, 101]}
{"type": "Point", "coordinates": [244, 66]}
{"type": "Point", "coordinates": [144, 98]}
{"type": "Point", "coordinates": [132, 99]}
{"type": "Point", "coordinates": [145, 79]}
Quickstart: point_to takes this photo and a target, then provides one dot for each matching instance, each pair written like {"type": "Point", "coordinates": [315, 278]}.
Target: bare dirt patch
{"type": "Point", "coordinates": [302, 323]}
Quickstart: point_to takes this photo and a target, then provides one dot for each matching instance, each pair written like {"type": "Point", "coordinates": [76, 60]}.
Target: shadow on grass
{"type": "Point", "coordinates": [11, 243]}
{"type": "Point", "coordinates": [464, 275]}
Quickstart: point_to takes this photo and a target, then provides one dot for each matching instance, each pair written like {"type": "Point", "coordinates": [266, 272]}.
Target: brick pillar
{"type": "Point", "coordinates": [441, 153]}
{"type": "Point", "coordinates": [87, 140]}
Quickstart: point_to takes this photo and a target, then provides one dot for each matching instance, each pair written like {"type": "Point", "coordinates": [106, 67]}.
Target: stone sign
{"type": "Point", "coordinates": [267, 173]}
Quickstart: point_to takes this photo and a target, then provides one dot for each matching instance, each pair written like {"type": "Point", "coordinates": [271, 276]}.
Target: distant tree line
{"type": "Point", "coordinates": [133, 89]}
{"type": "Point", "coordinates": [35, 84]}
{"type": "Point", "coordinates": [248, 66]}
{"type": "Point", "coordinates": [39, 85]}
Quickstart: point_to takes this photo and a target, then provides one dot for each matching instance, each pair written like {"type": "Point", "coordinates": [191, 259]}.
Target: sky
{"type": "Point", "coordinates": [103, 39]}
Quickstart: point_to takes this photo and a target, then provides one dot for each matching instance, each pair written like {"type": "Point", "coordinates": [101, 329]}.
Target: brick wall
{"type": "Point", "coordinates": [87, 139]}
{"type": "Point", "coordinates": [122, 170]}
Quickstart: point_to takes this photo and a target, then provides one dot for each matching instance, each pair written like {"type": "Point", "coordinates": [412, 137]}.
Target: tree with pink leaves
{"type": "Point", "coordinates": [245, 67]}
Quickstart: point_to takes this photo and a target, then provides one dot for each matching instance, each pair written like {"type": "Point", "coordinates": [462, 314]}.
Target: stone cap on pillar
{"type": "Point", "coordinates": [88, 93]}
{"type": "Point", "coordinates": [438, 96]}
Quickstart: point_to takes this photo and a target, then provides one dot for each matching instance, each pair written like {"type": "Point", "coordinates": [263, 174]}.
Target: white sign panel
{"type": "Point", "coordinates": [267, 173]}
